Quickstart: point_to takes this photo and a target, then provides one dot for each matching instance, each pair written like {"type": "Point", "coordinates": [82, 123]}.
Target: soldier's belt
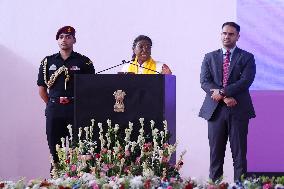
{"type": "Point", "coordinates": [62, 100]}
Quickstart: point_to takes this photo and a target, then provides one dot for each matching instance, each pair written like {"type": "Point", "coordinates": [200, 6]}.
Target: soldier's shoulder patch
{"type": "Point", "coordinates": [89, 62]}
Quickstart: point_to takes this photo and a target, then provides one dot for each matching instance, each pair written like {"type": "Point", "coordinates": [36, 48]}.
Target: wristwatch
{"type": "Point", "coordinates": [222, 92]}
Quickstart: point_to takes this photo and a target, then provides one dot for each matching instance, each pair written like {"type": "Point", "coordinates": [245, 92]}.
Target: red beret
{"type": "Point", "coordinates": [67, 30]}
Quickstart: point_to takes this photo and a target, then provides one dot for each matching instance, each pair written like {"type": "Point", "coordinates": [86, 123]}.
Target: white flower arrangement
{"type": "Point", "coordinates": [117, 157]}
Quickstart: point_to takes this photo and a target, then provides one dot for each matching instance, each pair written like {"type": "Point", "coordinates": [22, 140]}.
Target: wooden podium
{"type": "Point", "coordinates": [152, 97]}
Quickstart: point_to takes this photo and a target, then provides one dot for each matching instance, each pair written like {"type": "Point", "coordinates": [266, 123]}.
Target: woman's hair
{"type": "Point", "coordinates": [140, 38]}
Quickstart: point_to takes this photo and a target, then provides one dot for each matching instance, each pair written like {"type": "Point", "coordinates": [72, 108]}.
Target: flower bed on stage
{"type": "Point", "coordinates": [89, 181]}
{"type": "Point", "coordinates": [116, 162]}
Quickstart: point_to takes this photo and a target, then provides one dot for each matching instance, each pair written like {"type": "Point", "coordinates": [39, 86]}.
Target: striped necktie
{"type": "Point", "coordinates": [226, 66]}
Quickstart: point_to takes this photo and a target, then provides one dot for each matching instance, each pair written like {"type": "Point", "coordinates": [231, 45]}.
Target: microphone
{"type": "Point", "coordinates": [123, 62]}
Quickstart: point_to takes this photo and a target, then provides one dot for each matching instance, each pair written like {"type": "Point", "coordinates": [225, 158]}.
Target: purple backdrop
{"type": "Point", "coordinates": [261, 34]}
{"type": "Point", "coordinates": [265, 142]}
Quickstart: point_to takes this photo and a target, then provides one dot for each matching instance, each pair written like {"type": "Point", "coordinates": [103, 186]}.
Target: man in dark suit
{"type": "Point", "coordinates": [226, 75]}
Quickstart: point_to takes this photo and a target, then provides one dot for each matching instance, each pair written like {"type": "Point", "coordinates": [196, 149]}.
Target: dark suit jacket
{"type": "Point", "coordinates": [241, 76]}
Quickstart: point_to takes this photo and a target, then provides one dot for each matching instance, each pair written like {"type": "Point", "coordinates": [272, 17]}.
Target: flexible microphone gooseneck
{"type": "Point", "coordinates": [123, 62]}
{"type": "Point", "coordinates": [143, 67]}
{"type": "Point", "coordinates": [129, 62]}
